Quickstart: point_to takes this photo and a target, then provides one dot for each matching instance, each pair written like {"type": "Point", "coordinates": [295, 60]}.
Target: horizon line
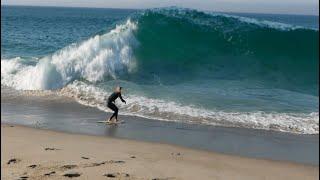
{"type": "Point", "coordinates": [48, 6]}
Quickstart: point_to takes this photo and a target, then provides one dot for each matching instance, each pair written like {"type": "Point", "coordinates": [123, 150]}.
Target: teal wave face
{"type": "Point", "coordinates": [177, 45]}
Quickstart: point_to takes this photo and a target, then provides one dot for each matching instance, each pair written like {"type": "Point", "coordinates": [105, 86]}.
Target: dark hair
{"type": "Point", "coordinates": [120, 87]}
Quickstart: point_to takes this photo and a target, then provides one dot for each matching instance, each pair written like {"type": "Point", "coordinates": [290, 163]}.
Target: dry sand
{"type": "Point", "coordinates": [42, 154]}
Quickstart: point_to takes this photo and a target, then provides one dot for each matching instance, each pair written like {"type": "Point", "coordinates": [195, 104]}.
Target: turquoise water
{"type": "Point", "coordinates": [251, 70]}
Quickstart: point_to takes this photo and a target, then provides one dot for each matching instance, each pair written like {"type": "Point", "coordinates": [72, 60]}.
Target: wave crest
{"type": "Point", "coordinates": [100, 57]}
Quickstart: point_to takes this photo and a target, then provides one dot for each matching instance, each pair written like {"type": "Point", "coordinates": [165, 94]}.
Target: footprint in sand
{"type": "Point", "coordinates": [51, 149]}
{"type": "Point", "coordinates": [50, 173]}
{"type": "Point", "coordinates": [110, 175]}
{"type": "Point", "coordinates": [72, 174]}
{"type": "Point", "coordinates": [70, 166]}
{"type": "Point", "coordinates": [116, 175]}
{"type": "Point", "coordinates": [32, 166]}
{"type": "Point", "coordinates": [23, 177]}
{"type": "Point", "coordinates": [13, 161]}
{"type": "Point", "coordinates": [112, 161]}
{"type": "Point", "coordinates": [176, 154]}
{"type": "Point", "coordinates": [102, 163]}
{"type": "Point", "coordinates": [95, 164]}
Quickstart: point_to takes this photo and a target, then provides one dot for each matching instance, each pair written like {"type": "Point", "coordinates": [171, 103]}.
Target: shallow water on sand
{"type": "Point", "coordinates": [64, 114]}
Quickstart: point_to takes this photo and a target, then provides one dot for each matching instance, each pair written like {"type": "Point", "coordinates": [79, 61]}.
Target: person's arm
{"type": "Point", "coordinates": [122, 99]}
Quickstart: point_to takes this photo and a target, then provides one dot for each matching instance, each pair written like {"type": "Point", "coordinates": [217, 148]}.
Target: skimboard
{"type": "Point", "coordinates": [110, 123]}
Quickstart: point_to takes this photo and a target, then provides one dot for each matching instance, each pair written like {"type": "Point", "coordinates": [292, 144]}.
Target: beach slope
{"type": "Point", "coordinates": [44, 154]}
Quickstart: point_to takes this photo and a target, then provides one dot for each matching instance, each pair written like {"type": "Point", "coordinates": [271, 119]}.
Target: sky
{"type": "Point", "coordinates": [309, 7]}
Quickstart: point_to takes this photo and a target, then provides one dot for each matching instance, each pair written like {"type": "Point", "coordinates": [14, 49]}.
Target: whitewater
{"type": "Point", "coordinates": [88, 70]}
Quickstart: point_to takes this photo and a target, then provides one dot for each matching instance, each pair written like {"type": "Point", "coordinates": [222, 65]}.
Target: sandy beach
{"type": "Point", "coordinates": [29, 153]}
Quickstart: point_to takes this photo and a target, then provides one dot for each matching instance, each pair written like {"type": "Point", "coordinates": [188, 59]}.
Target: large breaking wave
{"type": "Point", "coordinates": [94, 59]}
{"type": "Point", "coordinates": [178, 45]}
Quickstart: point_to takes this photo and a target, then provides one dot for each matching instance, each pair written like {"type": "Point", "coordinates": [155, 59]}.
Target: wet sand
{"type": "Point", "coordinates": [64, 114]}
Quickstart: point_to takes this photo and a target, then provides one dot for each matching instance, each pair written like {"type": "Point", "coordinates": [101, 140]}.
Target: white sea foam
{"type": "Point", "coordinates": [304, 123]}
{"type": "Point", "coordinates": [92, 60]}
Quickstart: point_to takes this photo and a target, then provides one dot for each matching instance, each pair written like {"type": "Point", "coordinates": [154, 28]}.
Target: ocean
{"type": "Point", "coordinates": [243, 70]}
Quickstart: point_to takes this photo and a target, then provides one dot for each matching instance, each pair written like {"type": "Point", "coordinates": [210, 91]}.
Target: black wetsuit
{"type": "Point", "coordinates": [111, 104]}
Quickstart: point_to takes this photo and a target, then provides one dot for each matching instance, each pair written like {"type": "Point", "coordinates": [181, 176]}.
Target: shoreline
{"type": "Point", "coordinates": [151, 160]}
{"type": "Point", "coordinates": [70, 95]}
{"type": "Point", "coordinates": [67, 115]}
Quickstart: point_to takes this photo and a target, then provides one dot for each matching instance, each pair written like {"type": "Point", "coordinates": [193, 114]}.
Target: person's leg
{"type": "Point", "coordinates": [114, 108]}
{"type": "Point", "coordinates": [116, 113]}
{"type": "Point", "coordinates": [112, 116]}
{"type": "Point", "coordinates": [110, 105]}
